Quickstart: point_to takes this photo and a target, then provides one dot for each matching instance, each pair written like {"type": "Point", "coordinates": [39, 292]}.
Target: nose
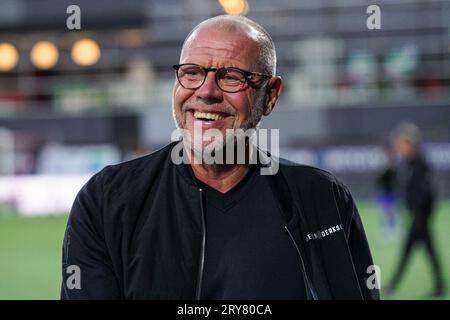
{"type": "Point", "coordinates": [209, 91]}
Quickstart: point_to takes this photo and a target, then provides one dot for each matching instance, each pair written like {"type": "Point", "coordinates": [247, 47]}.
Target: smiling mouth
{"type": "Point", "coordinates": [208, 116]}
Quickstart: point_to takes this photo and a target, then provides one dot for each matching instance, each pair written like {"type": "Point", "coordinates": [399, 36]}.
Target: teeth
{"type": "Point", "coordinates": [207, 115]}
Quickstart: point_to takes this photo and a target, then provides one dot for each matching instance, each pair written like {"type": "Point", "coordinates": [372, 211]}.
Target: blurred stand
{"type": "Point", "coordinates": [7, 160]}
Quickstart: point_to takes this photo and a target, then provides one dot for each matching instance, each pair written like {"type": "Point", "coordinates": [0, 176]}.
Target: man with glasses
{"type": "Point", "coordinates": [154, 229]}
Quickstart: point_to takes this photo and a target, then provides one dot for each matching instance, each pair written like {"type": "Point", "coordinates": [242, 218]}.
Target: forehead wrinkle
{"type": "Point", "coordinates": [206, 51]}
{"type": "Point", "coordinates": [231, 46]}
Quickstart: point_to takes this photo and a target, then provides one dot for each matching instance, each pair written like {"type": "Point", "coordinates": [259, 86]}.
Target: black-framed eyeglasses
{"type": "Point", "coordinates": [231, 79]}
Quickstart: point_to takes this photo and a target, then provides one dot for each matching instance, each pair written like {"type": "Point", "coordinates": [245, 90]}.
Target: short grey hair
{"type": "Point", "coordinates": [267, 56]}
{"type": "Point", "coordinates": [408, 131]}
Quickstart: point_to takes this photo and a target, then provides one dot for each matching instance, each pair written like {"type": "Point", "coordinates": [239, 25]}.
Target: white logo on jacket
{"type": "Point", "coordinates": [320, 234]}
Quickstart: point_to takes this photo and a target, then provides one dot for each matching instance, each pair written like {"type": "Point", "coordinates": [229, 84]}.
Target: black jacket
{"type": "Point", "coordinates": [417, 186]}
{"type": "Point", "coordinates": [136, 231]}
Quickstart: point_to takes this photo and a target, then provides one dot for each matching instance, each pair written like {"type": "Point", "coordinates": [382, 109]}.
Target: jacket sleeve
{"type": "Point", "coordinates": [87, 271]}
{"type": "Point", "coordinates": [359, 249]}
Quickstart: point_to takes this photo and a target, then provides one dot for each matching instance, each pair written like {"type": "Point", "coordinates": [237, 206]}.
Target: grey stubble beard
{"type": "Point", "coordinates": [252, 123]}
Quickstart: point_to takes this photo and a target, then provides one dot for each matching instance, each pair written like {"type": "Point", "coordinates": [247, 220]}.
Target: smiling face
{"type": "Point", "coordinates": [208, 106]}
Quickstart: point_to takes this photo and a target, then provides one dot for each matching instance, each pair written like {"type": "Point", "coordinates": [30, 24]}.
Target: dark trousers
{"type": "Point", "coordinates": [419, 233]}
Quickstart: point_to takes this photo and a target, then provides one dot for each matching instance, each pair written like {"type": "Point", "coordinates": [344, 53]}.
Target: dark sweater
{"type": "Point", "coordinates": [249, 255]}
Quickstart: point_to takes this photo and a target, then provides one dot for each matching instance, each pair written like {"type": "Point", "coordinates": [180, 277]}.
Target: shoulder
{"type": "Point", "coordinates": [307, 174]}
{"type": "Point", "coordinates": [421, 163]}
{"type": "Point", "coordinates": [320, 185]}
{"type": "Point", "coordinates": [141, 166]}
{"type": "Point", "coordinates": [131, 173]}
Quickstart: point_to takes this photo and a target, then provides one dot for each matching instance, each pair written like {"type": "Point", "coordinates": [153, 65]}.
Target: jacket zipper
{"type": "Point", "coordinates": [308, 283]}
{"type": "Point", "coordinates": [202, 251]}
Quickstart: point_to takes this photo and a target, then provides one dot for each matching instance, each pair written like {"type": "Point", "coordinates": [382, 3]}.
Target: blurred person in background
{"type": "Point", "coordinates": [154, 229]}
{"type": "Point", "coordinates": [414, 176]}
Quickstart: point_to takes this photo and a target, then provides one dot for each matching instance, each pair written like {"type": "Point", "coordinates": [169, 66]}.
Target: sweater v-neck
{"type": "Point", "coordinates": [226, 201]}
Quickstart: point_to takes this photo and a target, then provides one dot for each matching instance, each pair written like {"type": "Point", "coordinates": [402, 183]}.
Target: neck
{"type": "Point", "coordinates": [220, 177]}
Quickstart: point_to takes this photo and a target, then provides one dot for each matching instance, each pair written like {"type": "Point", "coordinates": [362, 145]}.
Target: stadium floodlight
{"type": "Point", "coordinates": [44, 55]}
{"type": "Point", "coordinates": [235, 7]}
{"type": "Point", "coordinates": [9, 57]}
{"type": "Point", "coordinates": [85, 52]}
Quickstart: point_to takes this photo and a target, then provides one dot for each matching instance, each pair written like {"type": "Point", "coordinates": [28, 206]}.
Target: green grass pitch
{"type": "Point", "coordinates": [30, 252]}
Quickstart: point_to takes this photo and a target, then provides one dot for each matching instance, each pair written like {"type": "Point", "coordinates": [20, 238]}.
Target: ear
{"type": "Point", "coordinates": [273, 91]}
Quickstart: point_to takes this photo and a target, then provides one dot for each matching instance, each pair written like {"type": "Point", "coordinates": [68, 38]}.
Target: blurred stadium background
{"type": "Point", "coordinates": [73, 101]}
